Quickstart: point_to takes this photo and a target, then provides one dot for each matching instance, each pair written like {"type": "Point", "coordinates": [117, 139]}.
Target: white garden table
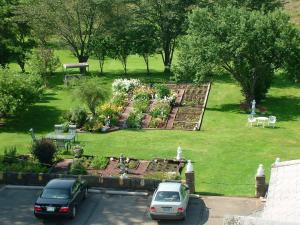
{"type": "Point", "coordinates": [262, 120]}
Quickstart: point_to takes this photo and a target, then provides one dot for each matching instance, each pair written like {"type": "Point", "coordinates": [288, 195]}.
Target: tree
{"type": "Point", "coordinates": [101, 48]}
{"type": "Point", "coordinates": [145, 41]}
{"type": "Point", "coordinates": [74, 21]}
{"type": "Point", "coordinates": [119, 28]}
{"type": "Point", "coordinates": [90, 93]}
{"type": "Point", "coordinates": [265, 5]}
{"type": "Point", "coordinates": [18, 92]}
{"type": "Point", "coordinates": [169, 17]}
{"type": "Point", "coordinates": [249, 45]}
{"type": "Point", "coordinates": [15, 39]}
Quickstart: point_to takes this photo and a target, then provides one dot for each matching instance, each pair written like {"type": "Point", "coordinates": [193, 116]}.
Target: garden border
{"type": "Point", "coordinates": [41, 179]}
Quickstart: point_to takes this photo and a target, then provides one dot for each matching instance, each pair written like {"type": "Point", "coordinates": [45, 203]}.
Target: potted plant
{"type": "Point", "coordinates": [78, 151]}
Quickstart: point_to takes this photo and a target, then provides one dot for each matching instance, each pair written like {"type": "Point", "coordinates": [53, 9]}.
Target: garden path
{"type": "Point", "coordinates": [123, 118]}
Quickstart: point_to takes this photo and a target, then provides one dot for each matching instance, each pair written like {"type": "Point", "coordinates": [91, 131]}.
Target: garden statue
{"type": "Point", "coordinates": [189, 167]}
{"type": "Point", "coordinates": [260, 171]}
{"type": "Point", "coordinates": [122, 164]}
{"type": "Point", "coordinates": [107, 121]}
{"type": "Point", "coordinates": [179, 153]}
{"type": "Point", "coordinates": [253, 107]}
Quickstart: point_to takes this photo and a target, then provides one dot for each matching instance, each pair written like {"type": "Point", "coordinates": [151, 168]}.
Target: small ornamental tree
{"type": "Point", "coordinates": [249, 45]}
{"type": "Point", "coordinates": [44, 151]}
{"type": "Point", "coordinates": [90, 93]}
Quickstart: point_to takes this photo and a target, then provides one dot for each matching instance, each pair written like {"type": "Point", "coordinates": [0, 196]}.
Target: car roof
{"type": "Point", "coordinates": [61, 183]}
{"type": "Point", "coordinates": [169, 186]}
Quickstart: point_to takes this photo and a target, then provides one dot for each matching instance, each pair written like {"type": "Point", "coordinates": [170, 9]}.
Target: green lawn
{"type": "Point", "coordinates": [225, 152]}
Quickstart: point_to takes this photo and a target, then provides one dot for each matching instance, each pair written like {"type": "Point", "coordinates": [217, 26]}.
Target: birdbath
{"type": "Point", "coordinates": [253, 107]}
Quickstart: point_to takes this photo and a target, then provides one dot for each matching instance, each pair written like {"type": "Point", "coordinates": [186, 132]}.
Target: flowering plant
{"type": "Point", "coordinates": [125, 85]}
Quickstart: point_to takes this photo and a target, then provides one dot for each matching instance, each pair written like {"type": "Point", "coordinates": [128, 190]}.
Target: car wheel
{"type": "Point", "coordinates": [85, 193]}
{"type": "Point", "coordinates": [74, 211]}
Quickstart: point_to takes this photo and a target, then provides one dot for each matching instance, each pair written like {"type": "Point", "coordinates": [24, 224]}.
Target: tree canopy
{"type": "Point", "coordinates": [249, 45]}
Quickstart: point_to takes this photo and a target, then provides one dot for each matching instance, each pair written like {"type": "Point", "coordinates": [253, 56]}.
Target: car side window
{"type": "Point", "coordinates": [182, 192]}
{"type": "Point", "coordinates": [75, 187]}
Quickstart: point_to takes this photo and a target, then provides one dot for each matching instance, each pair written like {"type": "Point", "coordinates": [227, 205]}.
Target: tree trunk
{"type": "Point", "coordinates": [83, 59]}
{"type": "Point", "coordinates": [21, 63]}
{"type": "Point", "coordinates": [123, 60]}
{"type": "Point", "coordinates": [146, 59]}
{"type": "Point", "coordinates": [167, 55]}
{"type": "Point", "coordinates": [101, 63]}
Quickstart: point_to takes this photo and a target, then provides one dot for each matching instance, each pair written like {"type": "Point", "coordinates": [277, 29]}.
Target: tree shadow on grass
{"type": "Point", "coordinates": [41, 118]}
{"type": "Point", "coordinates": [285, 108]}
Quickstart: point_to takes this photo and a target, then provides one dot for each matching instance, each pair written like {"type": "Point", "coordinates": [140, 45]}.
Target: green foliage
{"type": "Point", "coordinates": [141, 98]}
{"type": "Point", "coordinates": [109, 110]}
{"type": "Point", "coordinates": [132, 164]}
{"type": "Point", "coordinates": [90, 93]}
{"type": "Point", "coordinates": [93, 124]}
{"type": "Point", "coordinates": [161, 110]}
{"type": "Point", "coordinates": [99, 162]}
{"type": "Point", "coordinates": [29, 167]}
{"type": "Point", "coordinates": [162, 176]}
{"type": "Point", "coordinates": [134, 119]}
{"type": "Point", "coordinates": [76, 116]}
{"type": "Point", "coordinates": [162, 91]}
{"type": "Point", "coordinates": [120, 99]}
{"type": "Point", "coordinates": [18, 91]}
{"type": "Point", "coordinates": [43, 61]}
{"type": "Point", "coordinates": [250, 45]}
{"type": "Point", "coordinates": [265, 5]}
{"type": "Point", "coordinates": [78, 151]}
{"type": "Point", "coordinates": [141, 105]}
{"type": "Point", "coordinates": [77, 168]}
{"type": "Point", "coordinates": [10, 155]}
{"type": "Point", "coordinates": [44, 151]}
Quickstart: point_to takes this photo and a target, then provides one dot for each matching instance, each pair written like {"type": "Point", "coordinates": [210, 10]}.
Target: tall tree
{"type": "Point", "coordinates": [249, 45]}
{"type": "Point", "coordinates": [169, 17]}
{"type": "Point", "coordinates": [74, 21]}
{"type": "Point", "coordinates": [15, 38]}
{"type": "Point", "coordinates": [265, 5]}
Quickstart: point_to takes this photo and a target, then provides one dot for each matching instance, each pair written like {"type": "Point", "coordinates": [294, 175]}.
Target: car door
{"type": "Point", "coordinates": [185, 195]}
{"type": "Point", "coordinates": [76, 193]}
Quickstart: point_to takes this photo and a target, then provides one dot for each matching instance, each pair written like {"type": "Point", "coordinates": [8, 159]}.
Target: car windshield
{"type": "Point", "coordinates": [56, 193]}
{"type": "Point", "coordinates": [167, 196]}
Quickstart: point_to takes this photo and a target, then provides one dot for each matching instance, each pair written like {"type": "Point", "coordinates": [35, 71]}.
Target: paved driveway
{"type": "Point", "coordinates": [102, 209]}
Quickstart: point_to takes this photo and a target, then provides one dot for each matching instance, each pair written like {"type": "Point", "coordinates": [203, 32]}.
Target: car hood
{"type": "Point", "coordinates": [52, 201]}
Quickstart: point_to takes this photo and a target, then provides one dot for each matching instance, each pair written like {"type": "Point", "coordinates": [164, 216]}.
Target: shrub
{"type": "Point", "coordinates": [99, 162]}
{"type": "Point", "coordinates": [43, 61]}
{"type": "Point", "coordinates": [156, 122]}
{"type": "Point", "coordinates": [125, 85]}
{"type": "Point", "coordinates": [162, 91]}
{"type": "Point", "coordinates": [90, 93]}
{"type": "Point", "coordinates": [143, 90]}
{"type": "Point", "coordinates": [77, 168]}
{"type": "Point", "coordinates": [44, 150]}
{"type": "Point", "coordinates": [18, 92]}
{"type": "Point", "coordinates": [163, 176]}
{"type": "Point", "coordinates": [76, 116]}
{"type": "Point", "coordinates": [24, 167]}
{"type": "Point", "coordinates": [134, 120]}
{"type": "Point", "coordinates": [10, 155]}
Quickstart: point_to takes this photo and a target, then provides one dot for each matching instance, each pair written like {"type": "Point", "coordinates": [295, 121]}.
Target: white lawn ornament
{"type": "Point", "coordinates": [179, 153]}
{"type": "Point", "coordinates": [189, 167]}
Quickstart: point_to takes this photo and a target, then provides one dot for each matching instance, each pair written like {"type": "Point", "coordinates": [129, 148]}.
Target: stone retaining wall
{"type": "Point", "coordinates": [41, 179]}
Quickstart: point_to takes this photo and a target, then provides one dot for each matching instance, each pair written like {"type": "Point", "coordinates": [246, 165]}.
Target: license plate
{"type": "Point", "coordinates": [50, 209]}
{"type": "Point", "coordinates": [166, 209]}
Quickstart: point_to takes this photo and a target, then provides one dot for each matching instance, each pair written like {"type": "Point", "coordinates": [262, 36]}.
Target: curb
{"type": "Point", "coordinates": [91, 190]}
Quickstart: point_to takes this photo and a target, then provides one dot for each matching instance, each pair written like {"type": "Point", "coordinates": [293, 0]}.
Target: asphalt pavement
{"type": "Point", "coordinates": [16, 208]}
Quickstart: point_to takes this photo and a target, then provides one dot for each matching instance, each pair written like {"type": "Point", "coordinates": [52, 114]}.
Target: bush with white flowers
{"type": "Point", "coordinates": [125, 85]}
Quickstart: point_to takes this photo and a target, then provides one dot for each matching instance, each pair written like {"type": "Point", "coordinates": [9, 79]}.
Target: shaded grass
{"type": "Point", "coordinates": [225, 152]}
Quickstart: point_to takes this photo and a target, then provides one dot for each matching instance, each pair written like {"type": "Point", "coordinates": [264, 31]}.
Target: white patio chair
{"type": "Point", "coordinates": [72, 131]}
{"type": "Point", "coordinates": [272, 121]}
{"type": "Point", "coordinates": [58, 128]}
{"type": "Point", "coordinates": [251, 120]}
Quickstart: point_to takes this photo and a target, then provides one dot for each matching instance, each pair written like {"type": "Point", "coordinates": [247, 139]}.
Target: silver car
{"type": "Point", "coordinates": [169, 201]}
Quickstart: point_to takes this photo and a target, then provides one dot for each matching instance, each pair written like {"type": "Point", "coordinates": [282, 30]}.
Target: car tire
{"type": "Point", "coordinates": [74, 212]}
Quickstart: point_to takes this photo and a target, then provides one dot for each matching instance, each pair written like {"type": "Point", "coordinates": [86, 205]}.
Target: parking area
{"type": "Point", "coordinates": [16, 208]}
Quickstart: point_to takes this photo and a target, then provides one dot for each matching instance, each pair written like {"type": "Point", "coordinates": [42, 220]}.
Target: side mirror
{"type": "Point", "coordinates": [187, 187]}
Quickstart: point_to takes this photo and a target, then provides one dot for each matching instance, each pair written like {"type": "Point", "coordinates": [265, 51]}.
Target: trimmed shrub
{"type": "Point", "coordinates": [44, 151]}
{"type": "Point", "coordinates": [134, 119]}
{"type": "Point", "coordinates": [76, 116]}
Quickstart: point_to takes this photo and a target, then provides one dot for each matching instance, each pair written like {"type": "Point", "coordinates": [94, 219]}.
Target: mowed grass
{"type": "Point", "coordinates": [225, 153]}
